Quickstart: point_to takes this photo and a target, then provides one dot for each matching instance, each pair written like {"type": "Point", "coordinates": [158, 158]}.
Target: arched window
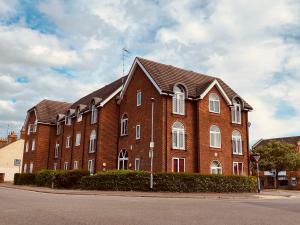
{"type": "Point", "coordinates": [178, 100]}
{"type": "Point", "coordinates": [124, 125]}
{"type": "Point", "coordinates": [214, 103]}
{"type": "Point", "coordinates": [94, 114]}
{"type": "Point", "coordinates": [92, 146]}
{"type": "Point", "coordinates": [215, 137]}
{"type": "Point", "coordinates": [215, 167]}
{"type": "Point", "coordinates": [237, 146]}
{"type": "Point", "coordinates": [123, 160]}
{"type": "Point", "coordinates": [79, 116]}
{"type": "Point", "coordinates": [236, 112]}
{"type": "Point", "coordinates": [178, 139]}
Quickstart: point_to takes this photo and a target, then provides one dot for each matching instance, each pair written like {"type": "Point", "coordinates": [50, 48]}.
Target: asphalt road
{"type": "Point", "coordinates": [19, 207]}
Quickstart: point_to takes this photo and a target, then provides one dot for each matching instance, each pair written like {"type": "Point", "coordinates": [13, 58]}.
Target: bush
{"type": "Point", "coordinates": [24, 179]}
{"type": "Point", "coordinates": [44, 178]}
{"type": "Point", "coordinates": [170, 182]}
{"type": "Point", "coordinates": [68, 178]}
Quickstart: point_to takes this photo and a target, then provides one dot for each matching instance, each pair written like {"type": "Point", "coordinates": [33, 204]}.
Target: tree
{"type": "Point", "coordinates": [278, 156]}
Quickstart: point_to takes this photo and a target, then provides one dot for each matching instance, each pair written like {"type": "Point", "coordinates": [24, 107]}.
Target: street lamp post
{"type": "Point", "coordinates": [256, 158]}
{"type": "Point", "coordinates": [151, 144]}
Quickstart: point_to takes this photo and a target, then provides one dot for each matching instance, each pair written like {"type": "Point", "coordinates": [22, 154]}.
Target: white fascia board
{"type": "Point", "coordinates": [215, 82]}
{"type": "Point", "coordinates": [131, 72]}
{"type": "Point", "coordinates": [111, 96]}
{"type": "Point", "coordinates": [257, 143]}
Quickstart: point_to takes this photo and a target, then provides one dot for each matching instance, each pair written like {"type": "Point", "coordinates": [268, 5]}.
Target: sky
{"type": "Point", "coordinates": [63, 50]}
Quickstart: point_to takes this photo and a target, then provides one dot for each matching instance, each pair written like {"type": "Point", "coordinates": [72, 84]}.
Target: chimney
{"type": "Point", "coordinates": [23, 133]}
{"type": "Point", "coordinates": [12, 136]}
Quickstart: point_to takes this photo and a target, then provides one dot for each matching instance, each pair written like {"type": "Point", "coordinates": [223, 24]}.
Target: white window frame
{"type": "Point", "coordinates": [178, 160]}
{"type": "Point", "coordinates": [237, 143]}
{"type": "Point", "coordinates": [79, 116]}
{"type": "Point", "coordinates": [78, 139]}
{"type": "Point", "coordinates": [25, 168]}
{"type": "Point", "coordinates": [91, 166]}
{"type": "Point", "coordinates": [137, 164]}
{"type": "Point", "coordinates": [218, 167]}
{"type": "Point", "coordinates": [31, 167]}
{"type": "Point", "coordinates": [33, 145]}
{"type": "Point", "coordinates": [124, 125]}
{"type": "Point", "coordinates": [138, 132]}
{"type": "Point", "coordinates": [66, 165]}
{"type": "Point", "coordinates": [178, 135]}
{"type": "Point", "coordinates": [238, 172]}
{"type": "Point", "coordinates": [214, 103]}
{"type": "Point", "coordinates": [93, 142]}
{"type": "Point", "coordinates": [68, 120]}
{"type": "Point", "coordinates": [27, 146]}
{"type": "Point", "coordinates": [75, 165]}
{"type": "Point", "coordinates": [56, 151]}
{"type": "Point", "coordinates": [68, 142]}
{"type": "Point", "coordinates": [55, 166]}
{"type": "Point", "coordinates": [178, 101]}
{"type": "Point", "coordinates": [94, 114]}
{"type": "Point", "coordinates": [213, 137]}
{"type": "Point", "coordinates": [122, 159]}
{"type": "Point", "coordinates": [139, 98]}
{"type": "Point", "coordinates": [236, 112]}
{"type": "Point", "coordinates": [58, 128]}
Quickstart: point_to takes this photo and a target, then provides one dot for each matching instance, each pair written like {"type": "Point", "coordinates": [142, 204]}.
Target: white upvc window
{"type": "Point", "coordinates": [178, 165]}
{"type": "Point", "coordinates": [236, 112]}
{"type": "Point", "coordinates": [238, 168]}
{"type": "Point", "coordinates": [215, 167]}
{"type": "Point", "coordinates": [58, 128]}
{"type": "Point", "coordinates": [178, 136]}
{"type": "Point", "coordinates": [28, 129]}
{"type": "Point", "coordinates": [214, 103]}
{"type": "Point", "coordinates": [31, 167]}
{"type": "Point", "coordinates": [56, 153]}
{"type": "Point", "coordinates": [78, 137]}
{"type": "Point", "coordinates": [138, 132]}
{"type": "Point", "coordinates": [178, 101]}
{"type": "Point", "coordinates": [137, 164]}
{"type": "Point", "coordinates": [91, 166]}
{"type": "Point", "coordinates": [66, 165]}
{"type": "Point", "coordinates": [138, 98]}
{"type": "Point", "coordinates": [79, 116]}
{"type": "Point", "coordinates": [33, 145]}
{"type": "Point", "coordinates": [27, 146]}
{"type": "Point", "coordinates": [55, 166]}
{"type": "Point", "coordinates": [92, 145]}
{"type": "Point", "coordinates": [68, 120]}
{"type": "Point", "coordinates": [75, 166]}
{"type": "Point", "coordinates": [215, 137]}
{"type": "Point", "coordinates": [123, 160]}
{"type": "Point", "coordinates": [124, 125]}
{"type": "Point", "coordinates": [25, 168]}
{"type": "Point", "coordinates": [68, 142]}
{"type": "Point", "coordinates": [94, 114]}
{"type": "Point", "coordinates": [237, 146]}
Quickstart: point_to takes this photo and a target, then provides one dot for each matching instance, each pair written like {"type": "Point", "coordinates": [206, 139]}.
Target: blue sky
{"type": "Point", "coordinates": [63, 50]}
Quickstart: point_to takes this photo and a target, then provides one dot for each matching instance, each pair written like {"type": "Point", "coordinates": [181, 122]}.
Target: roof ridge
{"type": "Point", "coordinates": [297, 136]}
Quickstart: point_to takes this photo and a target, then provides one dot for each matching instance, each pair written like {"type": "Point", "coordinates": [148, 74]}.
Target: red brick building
{"type": "Point", "coordinates": [200, 125]}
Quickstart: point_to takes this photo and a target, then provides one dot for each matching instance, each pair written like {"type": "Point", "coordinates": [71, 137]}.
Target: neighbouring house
{"type": "Point", "coordinates": [286, 179]}
{"type": "Point", "coordinates": [200, 125]}
{"type": "Point", "coordinates": [11, 155]}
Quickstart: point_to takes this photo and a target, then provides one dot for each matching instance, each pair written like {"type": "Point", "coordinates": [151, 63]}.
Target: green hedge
{"type": "Point", "coordinates": [167, 182]}
{"type": "Point", "coordinates": [24, 179]}
{"type": "Point", "coordinates": [44, 178]}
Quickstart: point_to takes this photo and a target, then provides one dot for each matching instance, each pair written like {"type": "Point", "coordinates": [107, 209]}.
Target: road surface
{"type": "Point", "coordinates": [20, 207]}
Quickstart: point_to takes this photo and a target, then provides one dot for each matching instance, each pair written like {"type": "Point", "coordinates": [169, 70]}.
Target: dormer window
{"type": "Point", "coordinates": [214, 103]}
{"type": "Point", "coordinates": [68, 120]}
{"type": "Point", "coordinates": [94, 114]}
{"type": "Point", "coordinates": [124, 125]}
{"type": "Point", "coordinates": [236, 112]}
{"type": "Point", "coordinates": [79, 116]}
{"type": "Point", "coordinates": [178, 100]}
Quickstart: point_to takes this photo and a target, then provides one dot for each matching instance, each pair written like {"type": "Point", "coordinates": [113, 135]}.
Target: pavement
{"type": "Point", "coordinates": [22, 207]}
{"type": "Point", "coordinates": [268, 194]}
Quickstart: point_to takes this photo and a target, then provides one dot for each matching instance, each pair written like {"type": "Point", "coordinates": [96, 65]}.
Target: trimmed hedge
{"type": "Point", "coordinates": [44, 178]}
{"type": "Point", "coordinates": [24, 179]}
{"type": "Point", "coordinates": [167, 182]}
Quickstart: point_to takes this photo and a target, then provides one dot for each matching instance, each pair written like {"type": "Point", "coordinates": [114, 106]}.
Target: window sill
{"type": "Point", "coordinates": [215, 113]}
{"type": "Point", "coordinates": [235, 154]}
{"type": "Point", "coordinates": [123, 135]}
{"type": "Point", "coordinates": [179, 149]}
{"type": "Point", "coordinates": [178, 114]}
{"type": "Point", "coordinates": [215, 148]}
{"type": "Point", "coordinates": [236, 123]}
{"type": "Point", "coordinates": [92, 152]}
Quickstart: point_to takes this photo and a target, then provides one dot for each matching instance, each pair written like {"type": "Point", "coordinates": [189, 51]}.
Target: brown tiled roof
{"type": "Point", "coordinates": [166, 76]}
{"type": "Point", "coordinates": [291, 140]}
{"type": "Point", "coordinates": [47, 110]}
{"type": "Point", "coordinates": [101, 93]}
